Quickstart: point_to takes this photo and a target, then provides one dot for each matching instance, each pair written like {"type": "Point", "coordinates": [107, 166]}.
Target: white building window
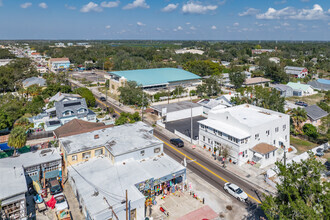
{"type": "Point", "coordinates": [276, 129]}
{"type": "Point", "coordinates": [142, 152]}
{"type": "Point", "coordinates": [256, 136]}
{"type": "Point", "coordinates": [86, 155]}
{"type": "Point", "coordinates": [286, 137]}
{"type": "Point", "coordinates": [204, 138]}
{"type": "Point", "coordinates": [74, 157]}
{"type": "Point", "coordinates": [98, 152]}
{"type": "Point", "coordinates": [202, 126]}
{"type": "Point", "coordinates": [267, 132]}
{"type": "Point", "coordinates": [284, 127]}
{"type": "Point", "coordinates": [157, 150]}
{"type": "Point", "coordinates": [267, 156]}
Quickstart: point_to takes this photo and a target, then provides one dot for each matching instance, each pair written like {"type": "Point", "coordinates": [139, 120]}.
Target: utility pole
{"type": "Point", "coordinates": [284, 155]}
{"type": "Point", "coordinates": [110, 207]}
{"type": "Point", "coordinates": [168, 95]}
{"type": "Point", "coordinates": [142, 105]}
{"type": "Point", "coordinates": [126, 206]}
{"type": "Point", "coordinates": [191, 121]}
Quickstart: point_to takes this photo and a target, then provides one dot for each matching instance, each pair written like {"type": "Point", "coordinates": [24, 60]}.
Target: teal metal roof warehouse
{"type": "Point", "coordinates": [157, 77]}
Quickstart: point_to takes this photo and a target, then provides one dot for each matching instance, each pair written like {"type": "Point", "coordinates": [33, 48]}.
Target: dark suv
{"type": "Point", "coordinates": [177, 142]}
{"type": "Point", "coordinates": [301, 103]}
{"type": "Point", "coordinates": [103, 99]}
{"type": "Point", "coordinates": [54, 187]}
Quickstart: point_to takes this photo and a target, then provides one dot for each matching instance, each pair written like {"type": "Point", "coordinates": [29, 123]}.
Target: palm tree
{"type": "Point", "coordinates": [298, 116]}
{"type": "Point", "coordinates": [17, 138]}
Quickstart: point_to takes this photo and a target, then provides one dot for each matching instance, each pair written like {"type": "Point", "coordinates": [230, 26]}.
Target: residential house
{"type": "Point", "coordinates": [225, 64]}
{"type": "Point", "coordinates": [177, 111]}
{"type": "Point", "coordinates": [261, 51]}
{"type": "Point", "coordinates": [39, 81]}
{"type": "Point", "coordinates": [56, 64]}
{"type": "Point", "coordinates": [192, 51]}
{"type": "Point", "coordinates": [19, 172]}
{"type": "Point", "coordinates": [275, 60]}
{"type": "Point", "coordinates": [223, 101]}
{"type": "Point", "coordinates": [300, 89]}
{"type": "Point", "coordinates": [297, 72]}
{"type": "Point", "coordinates": [248, 75]}
{"type": "Point", "coordinates": [285, 91]}
{"type": "Point", "coordinates": [4, 62]}
{"type": "Point", "coordinates": [320, 84]}
{"type": "Point", "coordinates": [241, 128]}
{"type": "Point", "coordinates": [315, 114]}
{"type": "Point", "coordinates": [68, 108]}
{"type": "Point", "coordinates": [132, 159]}
{"type": "Point", "coordinates": [256, 81]}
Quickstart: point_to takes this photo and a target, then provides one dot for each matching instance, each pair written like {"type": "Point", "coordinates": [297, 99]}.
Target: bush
{"type": "Point", "coordinates": [87, 94]}
{"type": "Point", "coordinates": [310, 131]}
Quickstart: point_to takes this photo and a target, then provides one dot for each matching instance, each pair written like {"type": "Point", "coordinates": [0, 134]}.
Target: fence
{"type": "Point", "coordinates": [39, 135]}
{"type": "Point", "coordinates": [195, 142]}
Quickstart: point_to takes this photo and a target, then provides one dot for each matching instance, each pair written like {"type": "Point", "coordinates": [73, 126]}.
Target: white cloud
{"type": "Point", "coordinates": [91, 6]}
{"type": "Point", "coordinates": [197, 8]}
{"type": "Point", "coordinates": [249, 11]}
{"type": "Point", "coordinates": [43, 5]}
{"type": "Point", "coordinates": [26, 5]}
{"type": "Point", "coordinates": [137, 4]}
{"type": "Point", "coordinates": [305, 0]}
{"type": "Point", "coordinates": [236, 24]}
{"type": "Point", "coordinates": [158, 29]}
{"type": "Point", "coordinates": [315, 13]}
{"type": "Point", "coordinates": [280, 2]}
{"type": "Point", "coordinates": [107, 27]}
{"type": "Point", "coordinates": [70, 7]}
{"type": "Point", "coordinates": [1, 3]}
{"type": "Point", "coordinates": [285, 24]}
{"type": "Point", "coordinates": [170, 7]}
{"type": "Point", "coordinates": [179, 28]}
{"type": "Point", "coordinates": [188, 23]}
{"type": "Point", "coordinates": [110, 4]}
{"type": "Point", "coordinates": [213, 27]}
{"type": "Point", "coordinates": [139, 23]}
{"type": "Point", "coordinates": [193, 28]}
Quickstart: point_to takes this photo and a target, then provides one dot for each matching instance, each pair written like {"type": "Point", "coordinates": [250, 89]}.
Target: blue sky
{"type": "Point", "coordinates": [166, 19]}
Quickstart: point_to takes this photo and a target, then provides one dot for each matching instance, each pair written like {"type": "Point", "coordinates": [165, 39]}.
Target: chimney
{"type": "Point", "coordinates": [96, 136]}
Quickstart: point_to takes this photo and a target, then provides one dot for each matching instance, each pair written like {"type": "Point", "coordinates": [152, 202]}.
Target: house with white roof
{"type": "Point", "coordinates": [132, 159]}
{"type": "Point", "coordinates": [248, 132]}
{"type": "Point", "coordinates": [223, 101]}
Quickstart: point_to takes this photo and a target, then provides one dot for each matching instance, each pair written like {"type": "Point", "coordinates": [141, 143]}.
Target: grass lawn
{"type": "Point", "coordinates": [301, 145]}
{"type": "Point", "coordinates": [310, 100]}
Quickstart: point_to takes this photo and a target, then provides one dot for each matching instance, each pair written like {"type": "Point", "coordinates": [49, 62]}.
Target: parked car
{"type": "Point", "coordinates": [177, 142]}
{"type": "Point", "coordinates": [61, 202]}
{"type": "Point", "coordinates": [103, 99]}
{"type": "Point", "coordinates": [301, 103]}
{"type": "Point", "coordinates": [235, 191]}
{"type": "Point", "coordinates": [319, 152]}
{"type": "Point", "coordinates": [55, 187]}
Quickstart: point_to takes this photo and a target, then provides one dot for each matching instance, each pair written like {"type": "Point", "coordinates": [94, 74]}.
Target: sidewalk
{"type": "Point", "coordinates": [252, 175]}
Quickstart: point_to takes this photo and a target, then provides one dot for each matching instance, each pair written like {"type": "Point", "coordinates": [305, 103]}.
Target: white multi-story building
{"type": "Point", "coordinates": [250, 133]}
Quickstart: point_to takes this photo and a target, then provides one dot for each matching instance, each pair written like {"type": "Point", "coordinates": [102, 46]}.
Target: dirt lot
{"type": "Point", "coordinates": [301, 145]}
{"type": "Point", "coordinates": [310, 100]}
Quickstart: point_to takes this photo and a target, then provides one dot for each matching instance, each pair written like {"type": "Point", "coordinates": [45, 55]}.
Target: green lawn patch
{"type": "Point", "coordinates": [301, 145]}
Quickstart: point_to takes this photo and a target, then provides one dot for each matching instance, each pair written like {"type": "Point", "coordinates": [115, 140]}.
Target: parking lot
{"type": "Point", "coordinates": [184, 126]}
{"type": "Point", "coordinates": [50, 214]}
{"type": "Point", "coordinates": [93, 77]}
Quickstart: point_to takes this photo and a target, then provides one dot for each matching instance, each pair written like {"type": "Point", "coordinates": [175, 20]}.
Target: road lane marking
{"type": "Point", "coordinates": [207, 169]}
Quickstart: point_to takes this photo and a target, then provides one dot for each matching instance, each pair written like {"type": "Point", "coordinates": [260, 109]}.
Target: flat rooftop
{"type": "Point", "coordinates": [118, 140]}
{"type": "Point", "coordinates": [177, 106]}
{"type": "Point", "coordinates": [32, 158]}
{"type": "Point", "coordinates": [111, 181]}
{"type": "Point", "coordinates": [154, 77]}
{"type": "Point", "coordinates": [250, 115]}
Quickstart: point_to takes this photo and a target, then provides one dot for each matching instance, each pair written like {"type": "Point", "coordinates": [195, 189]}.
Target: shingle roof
{"type": "Point", "coordinates": [77, 126]}
{"type": "Point", "coordinates": [34, 81]}
{"type": "Point", "coordinates": [322, 84]}
{"type": "Point", "coordinates": [281, 87]}
{"type": "Point", "coordinates": [59, 96]}
{"type": "Point", "coordinates": [315, 112]}
{"type": "Point", "coordinates": [264, 148]}
{"type": "Point", "coordinates": [160, 76]}
{"type": "Point", "coordinates": [72, 105]}
{"type": "Point", "coordinates": [256, 80]}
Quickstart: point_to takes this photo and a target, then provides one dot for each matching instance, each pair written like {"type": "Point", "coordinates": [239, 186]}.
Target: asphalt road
{"type": "Point", "coordinates": [206, 169]}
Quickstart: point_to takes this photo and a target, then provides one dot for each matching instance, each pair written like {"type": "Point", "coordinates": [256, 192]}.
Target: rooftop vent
{"type": "Point", "coordinates": [96, 136]}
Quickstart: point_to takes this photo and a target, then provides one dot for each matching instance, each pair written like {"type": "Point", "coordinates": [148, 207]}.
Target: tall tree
{"type": "Point", "coordinates": [132, 94]}
{"type": "Point", "coordinates": [17, 138]}
{"type": "Point", "coordinates": [298, 116]}
{"type": "Point", "coordinates": [301, 194]}
{"type": "Point", "coordinates": [237, 79]}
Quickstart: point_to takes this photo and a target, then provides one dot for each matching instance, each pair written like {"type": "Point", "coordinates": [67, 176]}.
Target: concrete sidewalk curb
{"type": "Point", "coordinates": [254, 185]}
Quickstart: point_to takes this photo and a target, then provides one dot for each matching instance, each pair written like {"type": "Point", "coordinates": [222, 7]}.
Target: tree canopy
{"type": "Point", "coordinates": [87, 94]}
{"type": "Point", "coordinates": [301, 194]}
{"type": "Point", "coordinates": [237, 79]}
{"type": "Point", "coordinates": [17, 137]}
{"type": "Point", "coordinates": [132, 94]}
